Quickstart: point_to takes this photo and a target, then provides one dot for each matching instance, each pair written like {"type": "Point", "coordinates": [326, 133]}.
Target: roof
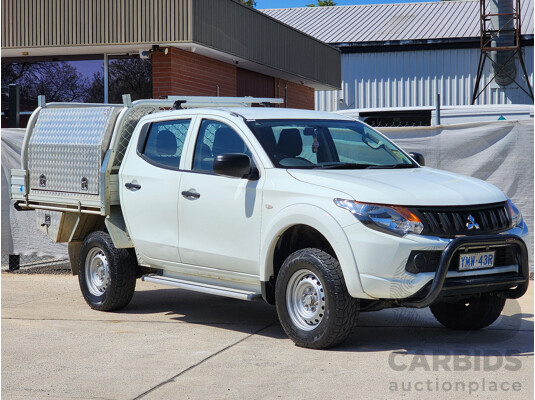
{"type": "Point", "coordinates": [392, 22]}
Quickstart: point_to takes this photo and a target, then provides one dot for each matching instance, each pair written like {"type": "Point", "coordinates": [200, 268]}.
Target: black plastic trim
{"type": "Point", "coordinates": [452, 230]}
{"type": "Point", "coordinates": [268, 291]}
{"type": "Point", "coordinates": [17, 206]}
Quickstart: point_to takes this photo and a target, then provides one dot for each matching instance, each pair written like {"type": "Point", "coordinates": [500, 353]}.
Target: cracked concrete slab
{"type": "Point", "coordinates": [170, 343]}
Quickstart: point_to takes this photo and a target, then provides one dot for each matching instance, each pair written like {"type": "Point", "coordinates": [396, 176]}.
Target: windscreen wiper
{"type": "Point", "coordinates": [343, 165]}
{"type": "Point", "coordinates": [394, 166]}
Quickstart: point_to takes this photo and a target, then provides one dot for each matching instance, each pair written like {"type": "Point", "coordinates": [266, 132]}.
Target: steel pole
{"type": "Point", "coordinates": [105, 78]}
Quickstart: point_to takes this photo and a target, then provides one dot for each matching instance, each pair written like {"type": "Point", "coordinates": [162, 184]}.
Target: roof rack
{"type": "Point", "coordinates": [180, 102]}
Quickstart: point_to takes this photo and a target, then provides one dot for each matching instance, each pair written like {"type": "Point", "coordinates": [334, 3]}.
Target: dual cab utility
{"type": "Point", "coordinates": [316, 213]}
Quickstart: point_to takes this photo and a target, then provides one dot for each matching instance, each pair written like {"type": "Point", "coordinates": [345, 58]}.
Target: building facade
{"type": "Point", "coordinates": [403, 55]}
{"type": "Point", "coordinates": [212, 47]}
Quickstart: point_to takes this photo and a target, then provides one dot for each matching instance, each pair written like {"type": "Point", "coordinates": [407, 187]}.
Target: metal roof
{"type": "Point", "coordinates": [436, 20]}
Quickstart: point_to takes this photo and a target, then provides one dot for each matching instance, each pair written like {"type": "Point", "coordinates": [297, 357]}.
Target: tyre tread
{"type": "Point", "coordinates": [122, 273]}
{"type": "Point", "coordinates": [482, 312]}
{"type": "Point", "coordinates": [346, 307]}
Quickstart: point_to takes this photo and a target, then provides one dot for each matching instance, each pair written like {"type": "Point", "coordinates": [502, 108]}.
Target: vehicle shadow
{"type": "Point", "coordinates": [408, 331]}
{"type": "Point", "coordinates": [413, 331]}
{"type": "Point", "coordinates": [203, 309]}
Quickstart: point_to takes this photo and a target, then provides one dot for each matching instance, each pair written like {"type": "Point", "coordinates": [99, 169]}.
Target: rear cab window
{"type": "Point", "coordinates": [161, 143]}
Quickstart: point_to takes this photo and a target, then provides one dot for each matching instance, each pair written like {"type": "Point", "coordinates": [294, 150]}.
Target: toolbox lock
{"type": "Point", "coordinates": [47, 221]}
{"type": "Point", "coordinates": [42, 181]}
{"type": "Point", "coordinates": [85, 184]}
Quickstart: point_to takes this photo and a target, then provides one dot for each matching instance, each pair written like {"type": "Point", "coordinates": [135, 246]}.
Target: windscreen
{"type": "Point", "coordinates": [327, 144]}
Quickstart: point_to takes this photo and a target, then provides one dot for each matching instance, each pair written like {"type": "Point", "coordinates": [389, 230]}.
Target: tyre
{"type": "Point", "coordinates": [476, 312]}
{"type": "Point", "coordinates": [314, 307]}
{"type": "Point", "coordinates": [107, 275]}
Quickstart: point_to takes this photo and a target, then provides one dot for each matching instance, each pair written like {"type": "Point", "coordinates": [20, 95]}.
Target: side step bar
{"type": "Point", "coordinates": [203, 288]}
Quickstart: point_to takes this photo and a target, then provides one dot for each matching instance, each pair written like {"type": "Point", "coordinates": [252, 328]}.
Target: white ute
{"type": "Point", "coordinates": [316, 213]}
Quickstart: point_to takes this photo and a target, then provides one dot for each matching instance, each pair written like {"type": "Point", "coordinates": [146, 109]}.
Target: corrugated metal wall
{"type": "Point", "coordinates": [233, 28]}
{"type": "Point", "coordinates": [94, 22]}
{"type": "Point", "coordinates": [412, 78]}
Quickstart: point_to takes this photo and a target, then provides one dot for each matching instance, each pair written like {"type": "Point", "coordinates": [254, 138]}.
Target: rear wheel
{"type": "Point", "coordinates": [476, 312]}
{"type": "Point", "coordinates": [107, 275]}
{"type": "Point", "coordinates": [314, 307]}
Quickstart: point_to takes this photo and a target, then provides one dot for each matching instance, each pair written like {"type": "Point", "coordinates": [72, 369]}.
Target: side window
{"type": "Point", "coordinates": [163, 142]}
{"type": "Point", "coordinates": [215, 138]}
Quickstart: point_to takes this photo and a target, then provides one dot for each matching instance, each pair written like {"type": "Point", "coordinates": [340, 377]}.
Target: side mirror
{"type": "Point", "coordinates": [236, 165]}
{"type": "Point", "coordinates": [418, 157]}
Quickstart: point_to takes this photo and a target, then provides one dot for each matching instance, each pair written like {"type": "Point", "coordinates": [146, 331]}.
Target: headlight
{"type": "Point", "coordinates": [390, 219]}
{"type": "Point", "coordinates": [514, 213]}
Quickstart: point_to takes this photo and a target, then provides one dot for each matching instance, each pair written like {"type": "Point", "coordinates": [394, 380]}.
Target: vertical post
{"type": "Point", "coordinates": [14, 262]}
{"type": "Point", "coordinates": [106, 78]}
{"type": "Point", "coordinates": [437, 111]}
{"type": "Point", "coordinates": [14, 106]}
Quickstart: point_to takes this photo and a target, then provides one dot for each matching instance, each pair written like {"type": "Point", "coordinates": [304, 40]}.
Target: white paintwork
{"type": "Point", "coordinates": [154, 205]}
{"type": "Point", "coordinates": [409, 187]}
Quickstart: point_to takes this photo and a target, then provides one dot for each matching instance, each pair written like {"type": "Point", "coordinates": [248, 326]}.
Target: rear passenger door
{"type": "Point", "coordinates": [149, 180]}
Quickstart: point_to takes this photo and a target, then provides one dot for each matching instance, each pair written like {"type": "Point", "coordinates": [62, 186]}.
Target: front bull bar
{"type": "Point", "coordinates": [466, 242]}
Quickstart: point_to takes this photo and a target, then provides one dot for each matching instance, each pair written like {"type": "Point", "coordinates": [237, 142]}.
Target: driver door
{"type": "Point", "coordinates": [219, 216]}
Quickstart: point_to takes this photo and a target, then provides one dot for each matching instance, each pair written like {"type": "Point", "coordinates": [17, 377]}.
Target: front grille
{"type": "Point", "coordinates": [449, 222]}
{"type": "Point", "coordinates": [428, 260]}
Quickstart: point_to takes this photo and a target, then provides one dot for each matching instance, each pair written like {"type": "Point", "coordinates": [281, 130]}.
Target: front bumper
{"type": "Point", "coordinates": [382, 263]}
{"type": "Point", "coordinates": [513, 285]}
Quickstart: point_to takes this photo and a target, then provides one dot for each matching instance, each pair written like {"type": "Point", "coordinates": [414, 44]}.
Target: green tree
{"type": "Point", "coordinates": [322, 3]}
{"type": "Point", "coordinates": [250, 3]}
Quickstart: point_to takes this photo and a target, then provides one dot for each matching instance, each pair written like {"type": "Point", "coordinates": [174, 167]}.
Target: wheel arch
{"type": "Point", "coordinates": [320, 228]}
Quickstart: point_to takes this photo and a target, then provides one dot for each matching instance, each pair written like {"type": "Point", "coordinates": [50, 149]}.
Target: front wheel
{"type": "Point", "coordinates": [107, 275]}
{"type": "Point", "coordinates": [476, 312]}
{"type": "Point", "coordinates": [314, 307]}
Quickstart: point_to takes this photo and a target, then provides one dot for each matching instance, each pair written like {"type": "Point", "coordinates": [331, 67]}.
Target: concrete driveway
{"type": "Point", "coordinates": [173, 344]}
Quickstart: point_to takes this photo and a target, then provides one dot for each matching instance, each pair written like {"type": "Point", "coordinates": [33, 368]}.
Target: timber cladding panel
{"type": "Point", "coordinates": [47, 23]}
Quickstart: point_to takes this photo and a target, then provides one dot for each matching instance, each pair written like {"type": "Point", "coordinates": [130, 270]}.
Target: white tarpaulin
{"type": "Point", "coordinates": [498, 152]}
{"type": "Point", "coordinates": [19, 228]}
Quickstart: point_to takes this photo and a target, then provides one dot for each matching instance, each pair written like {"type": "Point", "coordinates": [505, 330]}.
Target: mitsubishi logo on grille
{"type": "Point", "coordinates": [471, 223]}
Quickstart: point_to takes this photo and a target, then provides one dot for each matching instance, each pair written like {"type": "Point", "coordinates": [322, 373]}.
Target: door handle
{"type": "Point", "coordinates": [132, 186]}
{"type": "Point", "coordinates": [190, 194]}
